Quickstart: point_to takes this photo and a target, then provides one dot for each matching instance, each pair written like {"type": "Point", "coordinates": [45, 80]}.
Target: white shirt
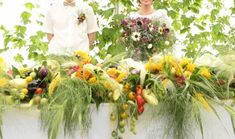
{"type": "Point", "coordinates": [159, 15]}
{"type": "Point", "coordinates": [69, 34]}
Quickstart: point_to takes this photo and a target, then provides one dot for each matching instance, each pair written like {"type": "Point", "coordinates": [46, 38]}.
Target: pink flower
{"type": "Point", "coordinates": [180, 80]}
{"type": "Point", "coordinates": [144, 39]}
{"type": "Point", "coordinates": [124, 22]}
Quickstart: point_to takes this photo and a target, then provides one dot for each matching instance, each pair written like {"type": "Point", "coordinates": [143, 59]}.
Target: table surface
{"type": "Point", "coordinates": [25, 124]}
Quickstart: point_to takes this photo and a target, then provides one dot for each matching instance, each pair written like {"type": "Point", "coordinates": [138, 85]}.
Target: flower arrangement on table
{"type": "Point", "coordinates": [182, 88]}
{"type": "Point", "coordinates": [144, 37]}
{"type": "Point", "coordinates": [175, 88]}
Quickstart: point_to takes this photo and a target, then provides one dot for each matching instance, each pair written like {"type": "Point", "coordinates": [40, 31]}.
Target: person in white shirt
{"type": "Point", "coordinates": [70, 25]}
{"type": "Point", "coordinates": [146, 10]}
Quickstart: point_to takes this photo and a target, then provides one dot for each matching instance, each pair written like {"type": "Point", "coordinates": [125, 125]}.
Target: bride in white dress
{"type": "Point", "coordinates": [146, 10]}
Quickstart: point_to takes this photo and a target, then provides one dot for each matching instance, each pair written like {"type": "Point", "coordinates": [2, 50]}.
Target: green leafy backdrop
{"type": "Point", "coordinates": [213, 29]}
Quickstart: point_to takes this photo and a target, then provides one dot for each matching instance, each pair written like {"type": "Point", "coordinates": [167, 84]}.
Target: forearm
{"type": "Point", "coordinates": [91, 37]}
{"type": "Point", "coordinates": [49, 36]}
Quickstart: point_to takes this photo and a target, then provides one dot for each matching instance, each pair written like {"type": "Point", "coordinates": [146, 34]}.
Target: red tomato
{"type": "Point", "coordinates": [140, 109]}
{"type": "Point", "coordinates": [39, 91]}
{"type": "Point", "coordinates": [140, 101]}
{"type": "Point", "coordinates": [139, 90]}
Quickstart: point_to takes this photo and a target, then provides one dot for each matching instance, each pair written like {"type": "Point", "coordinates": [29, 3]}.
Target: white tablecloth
{"type": "Point", "coordinates": [25, 124]}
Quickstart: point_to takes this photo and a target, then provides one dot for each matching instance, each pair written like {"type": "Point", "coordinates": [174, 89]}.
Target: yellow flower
{"type": "Point", "coordinates": [107, 85]}
{"type": "Point", "coordinates": [1, 60]}
{"type": "Point", "coordinates": [184, 62]}
{"type": "Point", "coordinates": [121, 76]}
{"type": "Point", "coordinates": [83, 54]}
{"type": "Point", "coordinates": [169, 58]}
{"type": "Point", "coordinates": [152, 67]}
{"type": "Point", "coordinates": [3, 82]}
{"type": "Point", "coordinates": [112, 71]}
{"type": "Point", "coordinates": [190, 67]}
{"type": "Point", "coordinates": [205, 72]}
{"type": "Point", "coordinates": [178, 71]}
{"type": "Point", "coordinates": [92, 80]}
{"type": "Point", "coordinates": [2, 64]}
{"type": "Point", "coordinates": [174, 64]}
{"type": "Point", "coordinates": [54, 83]}
{"type": "Point", "coordinates": [22, 71]}
{"type": "Point", "coordinates": [187, 74]}
{"type": "Point", "coordinates": [160, 30]}
{"type": "Point", "coordinates": [127, 87]}
{"type": "Point", "coordinates": [200, 98]}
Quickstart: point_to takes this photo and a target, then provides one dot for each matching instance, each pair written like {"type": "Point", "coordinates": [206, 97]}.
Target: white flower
{"type": "Point", "coordinates": [167, 42]}
{"type": "Point", "coordinates": [150, 27]}
{"type": "Point", "coordinates": [135, 36]}
{"type": "Point", "coordinates": [150, 46]}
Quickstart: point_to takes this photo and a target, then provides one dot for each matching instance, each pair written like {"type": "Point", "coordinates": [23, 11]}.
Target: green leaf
{"type": "Point", "coordinates": [108, 13]}
{"type": "Point", "coordinates": [19, 58]}
{"type": "Point", "coordinates": [186, 21]}
{"type": "Point", "coordinates": [233, 10]}
{"type": "Point", "coordinates": [29, 5]}
{"type": "Point", "coordinates": [176, 25]}
{"type": "Point", "coordinates": [195, 10]}
{"type": "Point", "coordinates": [116, 49]}
{"type": "Point", "coordinates": [25, 17]}
{"type": "Point", "coordinates": [173, 14]}
{"type": "Point", "coordinates": [15, 71]}
{"type": "Point", "coordinates": [199, 26]}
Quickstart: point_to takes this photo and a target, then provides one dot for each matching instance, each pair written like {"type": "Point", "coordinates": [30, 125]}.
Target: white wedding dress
{"type": "Point", "coordinates": [159, 15]}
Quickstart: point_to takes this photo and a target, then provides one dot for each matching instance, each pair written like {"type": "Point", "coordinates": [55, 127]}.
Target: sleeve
{"type": "Point", "coordinates": [48, 23]}
{"type": "Point", "coordinates": [164, 18]}
{"type": "Point", "coordinates": [91, 21]}
{"type": "Point", "coordinates": [132, 15]}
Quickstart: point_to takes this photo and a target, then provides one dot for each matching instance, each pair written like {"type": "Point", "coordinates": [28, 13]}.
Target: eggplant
{"type": "Point", "coordinates": [34, 83]}
{"type": "Point", "coordinates": [43, 72]}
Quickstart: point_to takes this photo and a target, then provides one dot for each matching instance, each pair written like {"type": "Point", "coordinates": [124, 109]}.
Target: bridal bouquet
{"type": "Point", "coordinates": [144, 37]}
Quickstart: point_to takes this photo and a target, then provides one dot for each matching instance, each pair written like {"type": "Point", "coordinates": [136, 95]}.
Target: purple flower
{"type": "Point", "coordinates": [139, 23]}
{"type": "Point", "coordinates": [146, 21]}
{"type": "Point", "coordinates": [124, 22]}
{"type": "Point", "coordinates": [144, 39]}
{"type": "Point", "coordinates": [125, 34]}
{"type": "Point", "coordinates": [166, 30]}
{"type": "Point", "coordinates": [133, 23]}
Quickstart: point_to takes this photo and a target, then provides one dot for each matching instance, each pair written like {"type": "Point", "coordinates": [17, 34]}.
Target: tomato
{"type": "Point", "coordinates": [140, 101]}
{"type": "Point", "coordinates": [24, 91]}
{"type": "Point", "coordinates": [22, 96]}
{"type": "Point", "coordinates": [29, 79]}
{"type": "Point", "coordinates": [140, 109]}
{"type": "Point", "coordinates": [123, 115]}
{"type": "Point", "coordinates": [139, 90]}
{"type": "Point", "coordinates": [122, 123]}
{"type": "Point", "coordinates": [112, 117]}
{"type": "Point", "coordinates": [125, 106]}
{"type": "Point", "coordinates": [37, 100]}
{"type": "Point", "coordinates": [122, 130]}
{"type": "Point", "coordinates": [131, 95]}
{"type": "Point", "coordinates": [114, 134]}
{"type": "Point", "coordinates": [33, 74]}
{"type": "Point", "coordinates": [39, 91]}
{"type": "Point", "coordinates": [44, 101]}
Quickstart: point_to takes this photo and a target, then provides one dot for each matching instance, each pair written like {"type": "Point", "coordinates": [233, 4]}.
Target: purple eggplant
{"type": "Point", "coordinates": [43, 72]}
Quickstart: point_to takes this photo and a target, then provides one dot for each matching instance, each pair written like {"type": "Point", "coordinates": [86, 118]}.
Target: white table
{"type": "Point", "coordinates": [25, 124]}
